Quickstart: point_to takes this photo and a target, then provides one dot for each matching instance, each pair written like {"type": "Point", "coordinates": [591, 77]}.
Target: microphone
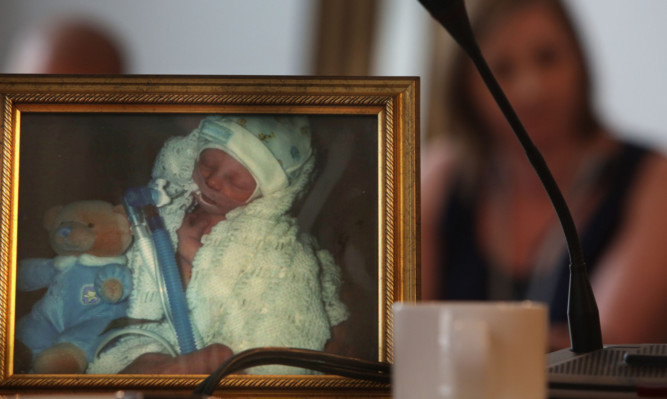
{"type": "Point", "coordinates": [586, 365]}
{"type": "Point", "coordinates": [583, 317]}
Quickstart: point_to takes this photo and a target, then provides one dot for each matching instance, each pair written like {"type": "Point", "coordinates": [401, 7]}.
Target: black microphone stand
{"type": "Point", "coordinates": [583, 317]}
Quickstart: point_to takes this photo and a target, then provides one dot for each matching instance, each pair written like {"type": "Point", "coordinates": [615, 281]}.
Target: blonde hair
{"type": "Point", "coordinates": [458, 120]}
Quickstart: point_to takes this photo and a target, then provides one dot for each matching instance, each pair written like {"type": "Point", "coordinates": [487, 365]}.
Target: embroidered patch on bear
{"type": "Point", "coordinates": [89, 295]}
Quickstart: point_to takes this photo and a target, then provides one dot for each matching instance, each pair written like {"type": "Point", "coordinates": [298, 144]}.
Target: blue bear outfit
{"type": "Point", "coordinates": [73, 309]}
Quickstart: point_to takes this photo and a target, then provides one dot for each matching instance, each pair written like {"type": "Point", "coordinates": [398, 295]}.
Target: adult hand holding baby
{"type": "Point", "coordinates": [202, 361]}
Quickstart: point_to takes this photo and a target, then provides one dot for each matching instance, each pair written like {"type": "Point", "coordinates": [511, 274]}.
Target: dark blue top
{"type": "Point", "coordinates": [466, 269]}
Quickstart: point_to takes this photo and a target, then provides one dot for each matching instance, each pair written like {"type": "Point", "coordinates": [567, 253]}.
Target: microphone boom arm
{"type": "Point", "coordinates": [583, 316]}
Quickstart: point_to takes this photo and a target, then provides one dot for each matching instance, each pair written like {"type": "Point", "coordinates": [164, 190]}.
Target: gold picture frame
{"type": "Point", "coordinates": [49, 120]}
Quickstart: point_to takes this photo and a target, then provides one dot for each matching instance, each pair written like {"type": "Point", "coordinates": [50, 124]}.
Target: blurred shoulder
{"type": "Point", "coordinates": [650, 191]}
{"type": "Point", "coordinates": [654, 171]}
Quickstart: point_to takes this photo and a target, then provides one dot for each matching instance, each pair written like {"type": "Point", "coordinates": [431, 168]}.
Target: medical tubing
{"type": "Point", "coordinates": [134, 331]}
{"type": "Point", "coordinates": [144, 244]}
{"type": "Point", "coordinates": [177, 303]}
{"type": "Point", "coordinates": [142, 198]}
{"type": "Point", "coordinates": [142, 237]}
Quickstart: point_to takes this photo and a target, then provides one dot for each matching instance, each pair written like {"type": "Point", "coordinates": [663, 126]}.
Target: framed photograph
{"type": "Point", "coordinates": [291, 204]}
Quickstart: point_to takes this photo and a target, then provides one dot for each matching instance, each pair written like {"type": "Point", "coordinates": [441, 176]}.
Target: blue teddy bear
{"type": "Point", "coordinates": [88, 284]}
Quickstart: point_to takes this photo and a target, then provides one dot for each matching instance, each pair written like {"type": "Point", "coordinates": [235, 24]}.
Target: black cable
{"type": "Point", "coordinates": [314, 360]}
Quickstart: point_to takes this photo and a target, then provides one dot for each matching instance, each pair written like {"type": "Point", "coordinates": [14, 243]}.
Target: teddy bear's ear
{"type": "Point", "coordinates": [50, 215]}
{"type": "Point", "coordinates": [120, 209]}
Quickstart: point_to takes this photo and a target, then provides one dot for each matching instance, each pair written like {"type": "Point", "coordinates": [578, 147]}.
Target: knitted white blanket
{"type": "Point", "coordinates": [256, 281]}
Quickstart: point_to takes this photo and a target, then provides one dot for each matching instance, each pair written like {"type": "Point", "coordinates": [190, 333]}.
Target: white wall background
{"type": "Point", "coordinates": [221, 37]}
{"type": "Point", "coordinates": [626, 39]}
{"type": "Point", "coordinates": [627, 44]}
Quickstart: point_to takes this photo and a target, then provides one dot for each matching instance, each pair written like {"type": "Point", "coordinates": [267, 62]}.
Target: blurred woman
{"type": "Point", "coordinates": [489, 231]}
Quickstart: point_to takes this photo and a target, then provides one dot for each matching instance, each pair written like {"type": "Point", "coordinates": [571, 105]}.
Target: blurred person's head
{"type": "Point", "coordinates": [535, 53]}
{"type": "Point", "coordinates": [72, 46]}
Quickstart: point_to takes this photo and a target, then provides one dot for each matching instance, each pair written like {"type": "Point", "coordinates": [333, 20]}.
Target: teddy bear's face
{"type": "Point", "coordinates": [72, 237]}
{"type": "Point", "coordinates": [92, 227]}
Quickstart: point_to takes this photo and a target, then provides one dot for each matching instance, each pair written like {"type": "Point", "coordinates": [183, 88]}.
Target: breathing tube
{"type": "Point", "coordinates": [152, 238]}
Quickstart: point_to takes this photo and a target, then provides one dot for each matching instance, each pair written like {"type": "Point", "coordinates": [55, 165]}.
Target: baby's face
{"type": "Point", "coordinates": [224, 183]}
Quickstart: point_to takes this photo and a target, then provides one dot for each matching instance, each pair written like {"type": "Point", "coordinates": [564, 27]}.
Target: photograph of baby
{"type": "Point", "coordinates": [165, 243]}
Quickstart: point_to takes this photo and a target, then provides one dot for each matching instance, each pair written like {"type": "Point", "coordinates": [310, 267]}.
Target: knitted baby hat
{"type": "Point", "coordinates": [272, 148]}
